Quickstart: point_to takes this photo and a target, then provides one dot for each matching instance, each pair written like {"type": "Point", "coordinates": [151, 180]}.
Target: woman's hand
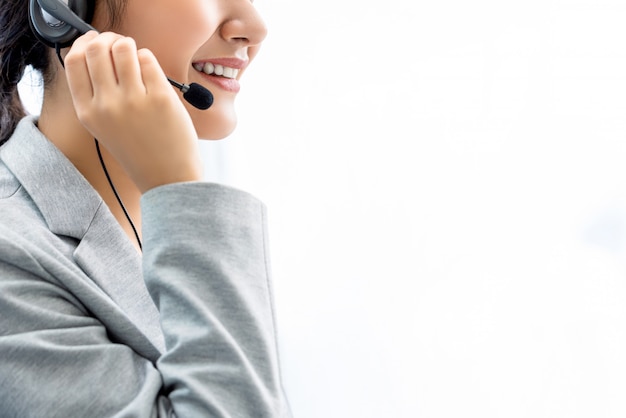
{"type": "Point", "coordinates": [123, 98]}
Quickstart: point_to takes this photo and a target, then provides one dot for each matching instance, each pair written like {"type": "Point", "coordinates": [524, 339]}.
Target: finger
{"type": "Point", "coordinates": [83, 40]}
{"type": "Point", "coordinates": [77, 72]}
{"type": "Point", "coordinates": [151, 72]}
{"type": "Point", "coordinates": [100, 64]}
{"type": "Point", "coordinates": [126, 63]}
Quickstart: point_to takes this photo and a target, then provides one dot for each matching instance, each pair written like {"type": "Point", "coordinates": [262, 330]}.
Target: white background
{"type": "Point", "coordinates": [446, 183]}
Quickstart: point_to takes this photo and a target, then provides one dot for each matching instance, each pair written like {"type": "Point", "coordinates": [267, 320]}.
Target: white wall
{"type": "Point", "coordinates": [446, 183]}
{"type": "Point", "coordinates": [447, 189]}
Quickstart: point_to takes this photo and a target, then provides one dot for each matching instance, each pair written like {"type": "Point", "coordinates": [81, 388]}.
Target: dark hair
{"type": "Point", "coordinates": [19, 48]}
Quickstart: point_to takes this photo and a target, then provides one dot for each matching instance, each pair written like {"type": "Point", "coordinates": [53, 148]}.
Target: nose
{"type": "Point", "coordinates": [244, 24]}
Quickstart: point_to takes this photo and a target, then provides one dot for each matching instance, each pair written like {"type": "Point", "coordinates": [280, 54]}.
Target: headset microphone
{"type": "Point", "coordinates": [198, 96]}
{"type": "Point", "coordinates": [195, 94]}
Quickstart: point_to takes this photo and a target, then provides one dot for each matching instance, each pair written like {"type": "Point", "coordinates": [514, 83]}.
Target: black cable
{"type": "Point", "coordinates": [57, 48]}
{"type": "Point", "coordinates": [117, 196]}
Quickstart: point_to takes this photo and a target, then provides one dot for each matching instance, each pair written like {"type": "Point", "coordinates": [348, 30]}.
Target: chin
{"type": "Point", "coordinates": [214, 123]}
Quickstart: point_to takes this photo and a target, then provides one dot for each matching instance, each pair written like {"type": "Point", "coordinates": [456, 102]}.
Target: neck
{"type": "Point", "coordinates": [59, 123]}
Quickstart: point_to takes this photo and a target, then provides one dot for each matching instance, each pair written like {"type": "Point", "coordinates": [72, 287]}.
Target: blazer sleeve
{"type": "Point", "coordinates": [205, 265]}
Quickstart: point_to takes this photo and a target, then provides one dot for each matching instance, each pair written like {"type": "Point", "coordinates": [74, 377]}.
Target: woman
{"type": "Point", "coordinates": [128, 287]}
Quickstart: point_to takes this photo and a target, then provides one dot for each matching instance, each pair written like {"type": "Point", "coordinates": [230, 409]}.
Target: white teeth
{"type": "Point", "coordinates": [216, 69]}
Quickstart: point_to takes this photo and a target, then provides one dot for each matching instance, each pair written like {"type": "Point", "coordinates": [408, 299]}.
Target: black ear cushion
{"type": "Point", "coordinates": [63, 35]}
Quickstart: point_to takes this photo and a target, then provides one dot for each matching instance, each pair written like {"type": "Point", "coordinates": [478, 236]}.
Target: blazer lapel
{"type": "Point", "coordinates": [71, 207]}
{"type": "Point", "coordinates": [110, 260]}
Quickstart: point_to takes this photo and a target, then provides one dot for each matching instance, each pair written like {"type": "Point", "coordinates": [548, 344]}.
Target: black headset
{"type": "Point", "coordinates": [54, 32]}
{"type": "Point", "coordinates": [58, 23]}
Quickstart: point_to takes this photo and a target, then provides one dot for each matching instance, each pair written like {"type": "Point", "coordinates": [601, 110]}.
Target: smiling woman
{"type": "Point", "coordinates": [118, 265]}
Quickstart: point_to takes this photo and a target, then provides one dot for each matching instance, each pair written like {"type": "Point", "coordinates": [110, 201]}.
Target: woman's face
{"type": "Point", "coordinates": [194, 37]}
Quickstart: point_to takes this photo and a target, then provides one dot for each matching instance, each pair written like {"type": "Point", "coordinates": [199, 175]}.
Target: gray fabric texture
{"type": "Point", "coordinates": [91, 328]}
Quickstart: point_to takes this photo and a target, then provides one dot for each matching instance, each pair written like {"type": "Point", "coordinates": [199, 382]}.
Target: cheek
{"type": "Point", "coordinates": [185, 27]}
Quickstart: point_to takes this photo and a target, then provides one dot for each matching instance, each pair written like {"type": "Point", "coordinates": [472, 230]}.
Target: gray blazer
{"type": "Point", "coordinates": [90, 328]}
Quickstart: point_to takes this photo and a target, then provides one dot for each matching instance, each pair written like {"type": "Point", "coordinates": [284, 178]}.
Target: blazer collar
{"type": "Point", "coordinates": [65, 198]}
{"type": "Point", "coordinates": [72, 207]}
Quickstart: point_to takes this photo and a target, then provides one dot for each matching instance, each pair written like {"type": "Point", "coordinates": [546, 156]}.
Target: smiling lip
{"type": "Point", "coordinates": [230, 65]}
